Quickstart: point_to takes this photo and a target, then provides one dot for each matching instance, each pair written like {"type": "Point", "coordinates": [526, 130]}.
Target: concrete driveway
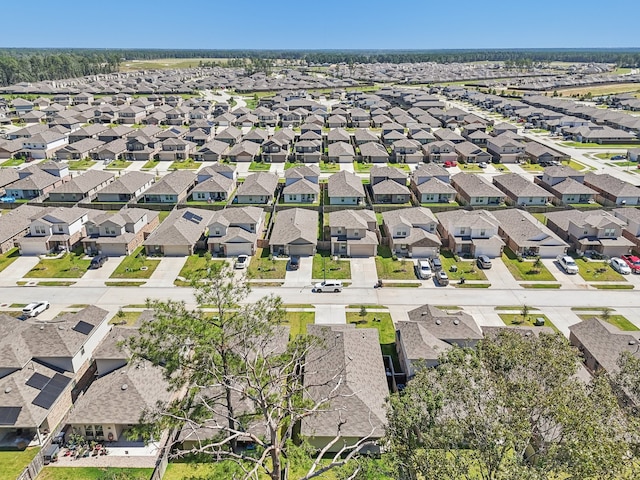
{"type": "Point", "coordinates": [499, 275]}
{"type": "Point", "coordinates": [564, 279]}
{"type": "Point", "coordinates": [363, 272]}
{"type": "Point", "coordinates": [330, 314]}
{"type": "Point", "coordinates": [167, 271]}
{"type": "Point", "coordinates": [104, 272]}
{"type": "Point", "coordinates": [17, 270]}
{"type": "Point", "coordinates": [300, 277]}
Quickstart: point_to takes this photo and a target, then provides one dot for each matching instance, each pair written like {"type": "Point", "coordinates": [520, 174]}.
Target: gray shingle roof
{"type": "Point", "coordinates": [128, 183]}
{"type": "Point", "coordinates": [295, 224]}
{"type": "Point", "coordinates": [181, 227]}
{"type": "Point", "coordinates": [261, 183]}
{"type": "Point", "coordinates": [345, 184]}
{"type": "Point", "coordinates": [173, 183]}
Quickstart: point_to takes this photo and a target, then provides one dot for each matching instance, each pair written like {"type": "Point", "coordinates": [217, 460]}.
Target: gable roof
{"type": "Point", "coordinates": [294, 224]}
{"type": "Point", "coordinates": [181, 227]}
{"type": "Point", "coordinates": [130, 182]}
{"type": "Point", "coordinates": [345, 184]}
{"type": "Point", "coordinates": [173, 183]}
{"type": "Point", "coordinates": [260, 183]}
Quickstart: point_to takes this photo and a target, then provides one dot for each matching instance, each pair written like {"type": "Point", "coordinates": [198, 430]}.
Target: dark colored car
{"type": "Point", "coordinates": [294, 263]}
{"type": "Point", "coordinates": [98, 261]}
{"type": "Point", "coordinates": [436, 264]}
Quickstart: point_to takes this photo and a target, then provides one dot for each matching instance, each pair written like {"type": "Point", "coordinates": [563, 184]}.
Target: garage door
{"type": "Point", "coordinates": [301, 250]}
{"type": "Point", "coordinates": [424, 252]}
{"type": "Point", "coordinates": [176, 251]}
{"type": "Point", "coordinates": [235, 249]}
{"type": "Point", "coordinates": [113, 250]}
{"type": "Point", "coordinates": [362, 250]}
{"type": "Point", "coordinates": [33, 248]}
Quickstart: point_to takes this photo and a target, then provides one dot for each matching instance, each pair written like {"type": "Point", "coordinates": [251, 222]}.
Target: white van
{"type": "Point", "coordinates": [328, 286]}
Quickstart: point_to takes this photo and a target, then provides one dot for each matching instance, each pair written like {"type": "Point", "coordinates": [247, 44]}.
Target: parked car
{"type": "Point", "coordinates": [294, 262]}
{"type": "Point", "coordinates": [328, 286]}
{"type": "Point", "coordinates": [618, 157]}
{"type": "Point", "coordinates": [98, 261]}
{"type": "Point", "coordinates": [436, 264]}
{"type": "Point", "coordinates": [450, 163]}
{"type": "Point", "coordinates": [484, 262]}
{"type": "Point", "coordinates": [620, 266]}
{"type": "Point", "coordinates": [36, 308]}
{"type": "Point", "coordinates": [424, 269]}
{"type": "Point", "coordinates": [50, 455]}
{"type": "Point", "coordinates": [241, 262]}
{"type": "Point", "coordinates": [442, 278]}
{"type": "Point", "coordinates": [482, 165]}
{"type": "Point", "coordinates": [568, 264]}
{"type": "Point", "coordinates": [633, 262]}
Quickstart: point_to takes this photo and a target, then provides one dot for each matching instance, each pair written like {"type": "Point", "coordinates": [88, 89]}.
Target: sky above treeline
{"type": "Point", "coordinates": [329, 24]}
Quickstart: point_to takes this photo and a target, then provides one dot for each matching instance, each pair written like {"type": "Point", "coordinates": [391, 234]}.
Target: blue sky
{"type": "Point", "coordinates": [325, 24]}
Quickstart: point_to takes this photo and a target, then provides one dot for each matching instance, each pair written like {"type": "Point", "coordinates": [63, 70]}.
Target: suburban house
{"type": "Point", "coordinates": [276, 150]}
{"type": "Point", "coordinates": [216, 188]}
{"type": "Point", "coordinates": [348, 360]}
{"type": "Point", "coordinates": [341, 152]}
{"type": "Point", "coordinates": [294, 232]}
{"type": "Point", "coordinates": [110, 151]}
{"type": "Point", "coordinates": [345, 188]}
{"type": "Point", "coordinates": [175, 149]}
{"type": "Point", "coordinates": [353, 233]}
{"type": "Point", "coordinates": [471, 153]}
{"type": "Point", "coordinates": [407, 151]}
{"type": "Point", "coordinates": [308, 151]}
{"type": "Point", "coordinates": [120, 233]}
{"type": "Point", "coordinates": [78, 150]}
{"type": "Point", "coordinates": [181, 233]}
{"type": "Point", "coordinates": [526, 236]}
{"type": "Point", "coordinates": [429, 333]}
{"type": "Point", "coordinates": [538, 153]}
{"type": "Point", "coordinates": [43, 144]}
{"type": "Point", "coordinates": [440, 152]}
{"type": "Point", "coordinates": [129, 186]}
{"type": "Point", "coordinates": [172, 188]}
{"type": "Point", "coordinates": [55, 229]}
{"type": "Point", "coordinates": [10, 148]}
{"type": "Point", "coordinates": [505, 149]}
{"type": "Point", "coordinates": [301, 184]}
{"type": "Point", "coordinates": [81, 187]}
{"type": "Point", "coordinates": [224, 169]}
{"type": "Point", "coordinates": [412, 232]}
{"type": "Point", "coordinates": [566, 184]}
{"type": "Point", "coordinates": [474, 190]}
{"type": "Point", "coordinates": [430, 184]}
{"type": "Point", "coordinates": [234, 231]}
{"type": "Point", "coordinates": [591, 230]}
{"type": "Point", "coordinates": [373, 152]}
{"type": "Point", "coordinates": [245, 151]}
{"type": "Point", "coordinates": [631, 217]}
{"type": "Point", "coordinates": [389, 185]}
{"type": "Point", "coordinates": [612, 191]}
{"type": "Point", "coordinates": [471, 233]}
{"type": "Point", "coordinates": [257, 188]}
{"type": "Point", "coordinates": [33, 183]}
{"type": "Point", "coordinates": [212, 151]}
{"type": "Point", "coordinates": [14, 224]}
{"type": "Point", "coordinates": [142, 148]}
{"type": "Point", "coordinates": [520, 191]}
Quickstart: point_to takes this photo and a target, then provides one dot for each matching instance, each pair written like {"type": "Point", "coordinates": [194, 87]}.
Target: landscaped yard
{"type": "Point", "coordinates": [516, 319]}
{"type": "Point", "coordinates": [386, 331]}
{"type": "Point", "coordinates": [8, 258]}
{"type": "Point", "coordinates": [598, 271]}
{"type": "Point", "coordinates": [362, 167]}
{"type": "Point", "coordinates": [259, 167]}
{"type": "Point", "coordinates": [338, 270]}
{"type": "Point", "coordinates": [196, 265]}
{"type": "Point", "coordinates": [12, 162]}
{"type": "Point", "coordinates": [151, 164]}
{"type": "Point", "coordinates": [298, 322]}
{"type": "Point", "coordinates": [70, 265]}
{"type": "Point", "coordinates": [13, 462]}
{"type": "Point", "coordinates": [598, 145]}
{"type": "Point", "coordinates": [618, 320]}
{"type": "Point", "coordinates": [125, 318]}
{"type": "Point", "coordinates": [577, 165]}
{"type": "Point", "coordinates": [527, 269]}
{"type": "Point", "coordinates": [470, 167]}
{"type": "Point", "coordinates": [540, 217]}
{"type": "Point", "coordinates": [118, 165]}
{"type": "Point", "coordinates": [531, 167]}
{"type": "Point", "coordinates": [188, 164]}
{"type": "Point", "coordinates": [464, 268]}
{"type": "Point", "coordinates": [327, 167]}
{"type": "Point", "coordinates": [136, 265]}
{"type": "Point", "coordinates": [94, 473]}
{"type": "Point", "coordinates": [83, 164]}
{"type": "Point", "coordinates": [261, 267]}
{"type": "Point", "coordinates": [390, 269]}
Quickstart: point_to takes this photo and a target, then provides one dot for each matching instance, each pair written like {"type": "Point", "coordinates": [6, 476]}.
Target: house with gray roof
{"type": "Point", "coordinates": [126, 187]}
{"type": "Point", "coordinates": [212, 151]}
{"type": "Point", "coordinates": [527, 236]}
{"type": "Point", "coordinates": [612, 191]}
{"type": "Point", "coordinates": [120, 233]}
{"type": "Point", "coordinates": [388, 185]}
{"type": "Point", "coordinates": [412, 232]}
{"type": "Point", "coordinates": [181, 233]}
{"type": "Point", "coordinates": [257, 188]}
{"type": "Point", "coordinates": [349, 360]}
{"type": "Point", "coordinates": [294, 232]}
{"type": "Point", "coordinates": [354, 233]}
{"type": "Point", "coordinates": [341, 152]}
{"type": "Point", "coordinates": [542, 154]}
{"type": "Point", "coordinates": [566, 184]}
{"type": "Point", "coordinates": [373, 152]}
{"type": "Point", "coordinates": [216, 188]}
{"type": "Point", "coordinates": [81, 187]}
{"type": "Point", "coordinates": [440, 152]}
{"type": "Point", "coordinates": [470, 153]}
{"type": "Point", "coordinates": [14, 224]}
{"type": "Point", "coordinates": [345, 188]}
{"type": "Point", "coordinates": [44, 144]}
{"type": "Point", "coordinates": [244, 151]}
{"type": "Point", "coordinates": [172, 188]}
{"type": "Point", "coordinates": [301, 184]}
{"type": "Point", "coordinates": [33, 183]}
{"type": "Point", "coordinates": [430, 182]}
{"type": "Point", "coordinates": [631, 217]}
{"type": "Point", "coordinates": [474, 190]}
{"type": "Point", "coordinates": [234, 231]}
{"type": "Point", "coordinates": [81, 149]}
{"type": "Point", "coordinates": [54, 230]}
{"type": "Point", "coordinates": [471, 233]}
{"type": "Point", "coordinates": [505, 149]}
{"type": "Point", "coordinates": [520, 191]}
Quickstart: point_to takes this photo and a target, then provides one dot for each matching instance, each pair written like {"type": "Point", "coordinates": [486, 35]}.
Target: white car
{"type": "Point", "coordinates": [482, 165]}
{"type": "Point", "coordinates": [34, 309]}
{"type": "Point", "coordinates": [241, 262]}
{"type": "Point", "coordinates": [620, 266]}
{"type": "Point", "coordinates": [328, 286]}
{"type": "Point", "coordinates": [568, 264]}
{"type": "Point", "coordinates": [424, 269]}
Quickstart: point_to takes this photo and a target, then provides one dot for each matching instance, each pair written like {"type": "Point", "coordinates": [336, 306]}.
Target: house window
{"type": "Point", "coordinates": [463, 231]}
{"type": "Point", "coordinates": [483, 232]}
{"type": "Point", "coordinates": [217, 231]}
{"type": "Point", "coordinates": [59, 228]}
{"type": "Point", "coordinates": [168, 198]}
{"type": "Point", "coordinates": [609, 232]}
{"type": "Point", "coordinates": [292, 198]}
{"type": "Point", "coordinates": [39, 230]}
{"type": "Point", "coordinates": [342, 199]}
{"type": "Point", "coordinates": [339, 231]}
{"type": "Point", "coordinates": [356, 233]}
{"type": "Point", "coordinates": [82, 351]}
{"type": "Point", "coordinates": [432, 227]}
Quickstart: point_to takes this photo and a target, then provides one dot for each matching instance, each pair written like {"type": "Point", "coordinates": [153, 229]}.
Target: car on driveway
{"type": "Point", "coordinates": [436, 264]}
{"type": "Point", "coordinates": [36, 308]}
{"type": "Point", "coordinates": [442, 278]}
{"type": "Point", "coordinates": [568, 264]}
{"type": "Point", "coordinates": [620, 266]}
{"type": "Point", "coordinates": [484, 262]}
{"type": "Point", "coordinates": [294, 262]}
{"type": "Point", "coordinates": [450, 163]}
{"type": "Point", "coordinates": [98, 261]}
{"type": "Point", "coordinates": [241, 262]}
{"type": "Point", "coordinates": [423, 269]}
{"type": "Point", "coordinates": [482, 165]}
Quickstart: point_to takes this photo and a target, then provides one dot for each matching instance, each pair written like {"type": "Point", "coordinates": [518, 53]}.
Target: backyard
{"type": "Point", "coordinates": [390, 267]}
{"type": "Point", "coordinates": [527, 269]}
{"type": "Point", "coordinates": [13, 462]}
{"type": "Point", "coordinates": [136, 265]}
{"type": "Point", "coordinates": [324, 266]}
{"type": "Point", "coordinates": [461, 268]}
{"type": "Point", "coordinates": [70, 265]}
{"type": "Point", "coordinates": [94, 473]}
{"type": "Point", "coordinates": [261, 266]}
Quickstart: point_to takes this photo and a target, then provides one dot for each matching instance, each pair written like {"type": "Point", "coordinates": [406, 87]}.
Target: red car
{"type": "Point", "coordinates": [450, 163]}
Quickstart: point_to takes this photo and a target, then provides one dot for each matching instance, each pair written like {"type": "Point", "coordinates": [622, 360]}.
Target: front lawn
{"type": "Point", "coordinates": [13, 462]}
{"type": "Point", "coordinates": [328, 167]}
{"type": "Point", "coordinates": [389, 268]}
{"type": "Point", "coordinates": [83, 164]}
{"type": "Point", "coordinates": [197, 265]}
{"type": "Point", "coordinates": [8, 258]}
{"type": "Point", "coordinates": [515, 319]}
{"type": "Point", "coordinates": [127, 319]}
{"type": "Point", "coordinates": [298, 322]}
{"type": "Point", "coordinates": [338, 270]}
{"type": "Point", "coordinates": [70, 265]}
{"type": "Point", "coordinates": [118, 165]}
{"type": "Point", "coordinates": [401, 166]}
{"type": "Point", "coordinates": [94, 473]}
{"type": "Point", "coordinates": [382, 322]}
{"type": "Point", "coordinates": [12, 162]}
{"type": "Point", "coordinates": [262, 267]}
{"type": "Point", "coordinates": [526, 269]}
{"type": "Point", "coordinates": [598, 271]}
{"type": "Point", "coordinates": [470, 167]}
{"type": "Point", "coordinates": [136, 265]}
{"type": "Point", "coordinates": [610, 146]}
{"type": "Point", "coordinates": [362, 167]}
{"type": "Point", "coordinates": [531, 167]}
{"type": "Point", "coordinates": [617, 320]}
{"type": "Point", "coordinates": [188, 164]}
{"type": "Point", "coordinates": [151, 164]}
{"type": "Point", "coordinates": [463, 268]}
{"type": "Point", "coordinates": [259, 167]}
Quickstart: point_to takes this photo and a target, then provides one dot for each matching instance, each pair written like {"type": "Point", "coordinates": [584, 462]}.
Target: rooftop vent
{"type": "Point", "coordinates": [456, 322]}
{"type": "Point", "coordinates": [438, 322]}
{"type": "Point", "coordinates": [124, 387]}
{"type": "Point", "coordinates": [7, 390]}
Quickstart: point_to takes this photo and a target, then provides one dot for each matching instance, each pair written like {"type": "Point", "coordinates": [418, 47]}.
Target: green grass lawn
{"type": "Point", "coordinates": [541, 285]}
{"type": "Point", "coordinates": [196, 265]}
{"type": "Point", "coordinates": [12, 162]}
{"type": "Point", "coordinates": [577, 165]}
{"type": "Point", "coordinates": [261, 267]}
{"type": "Point", "coordinates": [93, 473]}
{"type": "Point", "coordinates": [386, 331]}
{"type": "Point", "coordinates": [259, 167]}
{"type": "Point", "coordinates": [13, 462]}
{"type": "Point", "coordinates": [130, 267]}
{"type": "Point", "coordinates": [162, 215]}
{"type": "Point", "coordinates": [516, 319]}
{"type": "Point", "coordinates": [70, 265]}
{"type": "Point", "coordinates": [127, 319]}
{"type": "Point", "coordinates": [327, 167]}
{"type": "Point", "coordinates": [531, 167]}
{"type": "Point", "coordinates": [525, 270]}
{"type": "Point", "coordinates": [540, 217]}
{"type": "Point", "coordinates": [338, 270]}
{"type": "Point", "coordinates": [362, 167]}
{"type": "Point", "coordinates": [401, 166]}
{"type": "Point", "coordinates": [598, 145]}
{"type": "Point", "coordinates": [8, 258]}
{"type": "Point", "coordinates": [596, 271]}
{"type": "Point", "coordinates": [465, 268]}
{"type": "Point", "coordinates": [618, 320]}
{"type": "Point", "coordinates": [390, 269]}
{"type": "Point", "coordinates": [470, 167]}
{"type": "Point", "coordinates": [613, 286]}
{"type": "Point", "coordinates": [298, 322]}
{"type": "Point", "coordinates": [188, 164]}
{"type": "Point", "coordinates": [118, 165]}
{"type": "Point", "coordinates": [83, 164]}
{"type": "Point", "coordinates": [605, 156]}
{"type": "Point", "coordinates": [150, 165]}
